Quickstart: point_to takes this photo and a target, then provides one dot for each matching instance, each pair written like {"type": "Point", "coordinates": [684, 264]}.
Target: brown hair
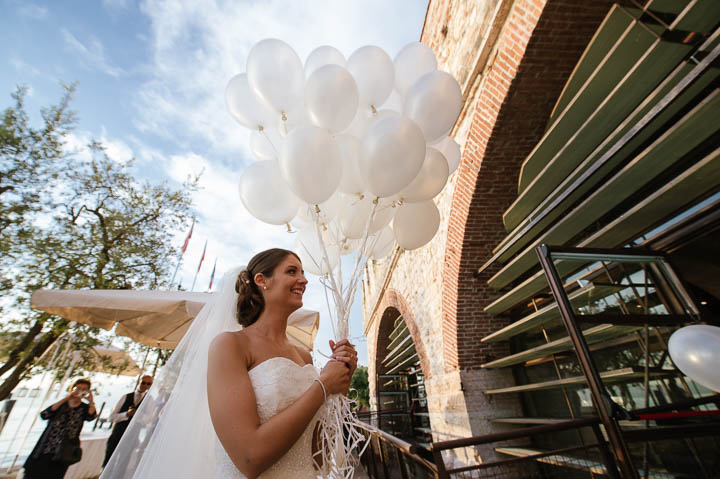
{"type": "Point", "coordinates": [251, 303]}
{"type": "Point", "coordinates": [80, 381]}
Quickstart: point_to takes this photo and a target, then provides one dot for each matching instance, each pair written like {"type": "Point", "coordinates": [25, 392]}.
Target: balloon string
{"type": "Point", "coordinates": [262, 132]}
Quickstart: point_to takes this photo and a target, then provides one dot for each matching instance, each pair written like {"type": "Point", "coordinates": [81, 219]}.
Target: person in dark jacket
{"type": "Point", "coordinates": [123, 413]}
{"type": "Point", "coordinates": [65, 421]}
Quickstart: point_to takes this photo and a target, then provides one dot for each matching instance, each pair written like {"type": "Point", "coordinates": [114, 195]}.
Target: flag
{"type": "Point", "coordinates": [212, 275]}
{"type": "Point", "coordinates": [203, 256]}
{"type": "Point", "coordinates": [187, 240]}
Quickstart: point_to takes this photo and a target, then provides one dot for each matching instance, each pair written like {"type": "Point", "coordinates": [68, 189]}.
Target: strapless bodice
{"type": "Point", "coordinates": [278, 382]}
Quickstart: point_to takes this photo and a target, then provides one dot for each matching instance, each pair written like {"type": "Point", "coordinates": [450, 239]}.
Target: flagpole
{"type": "Point", "coordinates": [172, 282]}
{"type": "Point", "coordinates": [192, 288]}
{"type": "Point", "coordinates": [182, 252]}
{"type": "Point", "coordinates": [212, 275]}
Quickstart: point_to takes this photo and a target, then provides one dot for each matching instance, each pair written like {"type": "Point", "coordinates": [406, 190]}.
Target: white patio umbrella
{"type": "Point", "coordinates": [153, 318]}
{"type": "Point", "coordinates": [113, 360]}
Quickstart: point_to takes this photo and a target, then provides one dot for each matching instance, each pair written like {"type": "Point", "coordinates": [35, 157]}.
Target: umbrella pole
{"type": "Point", "coordinates": [142, 368]}
{"type": "Point", "coordinates": [157, 360]}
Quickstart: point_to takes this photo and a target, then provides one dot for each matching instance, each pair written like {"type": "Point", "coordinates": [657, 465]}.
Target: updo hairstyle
{"type": "Point", "coordinates": [250, 302]}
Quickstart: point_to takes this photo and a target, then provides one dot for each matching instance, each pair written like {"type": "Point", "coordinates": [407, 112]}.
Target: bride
{"type": "Point", "coordinates": [237, 400]}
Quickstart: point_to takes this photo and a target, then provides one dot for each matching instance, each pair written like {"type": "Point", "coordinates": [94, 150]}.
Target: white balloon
{"type": "Point", "coordinates": [374, 73]}
{"type": "Point", "coordinates": [244, 105]}
{"type": "Point", "coordinates": [351, 181]}
{"type": "Point", "coordinates": [376, 117]}
{"type": "Point", "coordinates": [265, 195]}
{"type": "Point", "coordinates": [328, 211]}
{"type": "Point", "coordinates": [331, 97]}
{"type": "Point", "coordinates": [321, 56]}
{"type": "Point", "coordinates": [348, 246]}
{"type": "Point", "coordinates": [275, 73]}
{"type": "Point", "coordinates": [365, 118]}
{"type": "Point", "coordinates": [355, 214]}
{"type": "Point", "coordinates": [310, 163]}
{"type": "Point", "coordinates": [391, 155]}
{"type": "Point", "coordinates": [265, 144]}
{"type": "Point", "coordinates": [413, 61]}
{"type": "Point", "coordinates": [415, 224]}
{"type": "Point", "coordinates": [434, 102]}
{"type": "Point", "coordinates": [695, 350]}
{"type": "Point", "coordinates": [451, 151]}
{"type": "Point", "coordinates": [430, 180]}
{"type": "Point", "coordinates": [308, 248]}
{"type": "Point", "coordinates": [394, 102]}
{"type": "Point", "coordinates": [381, 243]}
{"type": "Point", "coordinates": [295, 118]}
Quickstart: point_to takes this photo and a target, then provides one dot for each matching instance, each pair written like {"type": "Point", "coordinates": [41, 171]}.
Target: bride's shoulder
{"type": "Point", "coordinates": [230, 343]}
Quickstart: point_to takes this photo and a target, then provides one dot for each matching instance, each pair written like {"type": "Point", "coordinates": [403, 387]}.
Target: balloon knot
{"type": "Point", "coordinates": [289, 229]}
{"type": "Point", "coordinates": [260, 128]}
{"type": "Point", "coordinates": [317, 209]}
{"type": "Point", "coordinates": [376, 200]}
{"type": "Point", "coordinates": [372, 108]}
{"type": "Point", "coordinates": [284, 118]}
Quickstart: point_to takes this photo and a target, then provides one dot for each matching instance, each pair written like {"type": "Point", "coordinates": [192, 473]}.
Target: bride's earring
{"type": "Point", "coordinates": [264, 287]}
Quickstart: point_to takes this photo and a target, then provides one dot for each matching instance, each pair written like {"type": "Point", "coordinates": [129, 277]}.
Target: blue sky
{"type": "Point", "coordinates": [151, 78]}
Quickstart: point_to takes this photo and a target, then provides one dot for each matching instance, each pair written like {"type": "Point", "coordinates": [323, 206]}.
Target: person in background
{"type": "Point", "coordinates": [123, 413]}
{"type": "Point", "coordinates": [59, 444]}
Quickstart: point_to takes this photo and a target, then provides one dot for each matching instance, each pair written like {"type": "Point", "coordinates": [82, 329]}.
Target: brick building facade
{"type": "Point", "coordinates": [512, 59]}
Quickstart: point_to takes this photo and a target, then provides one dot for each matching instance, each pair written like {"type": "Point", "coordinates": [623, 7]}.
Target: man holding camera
{"type": "Point", "coordinates": [123, 413]}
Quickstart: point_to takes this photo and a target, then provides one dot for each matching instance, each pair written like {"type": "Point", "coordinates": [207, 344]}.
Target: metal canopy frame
{"type": "Point", "coordinates": [608, 412]}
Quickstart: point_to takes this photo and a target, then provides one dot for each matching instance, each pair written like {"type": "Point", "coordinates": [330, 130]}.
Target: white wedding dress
{"type": "Point", "coordinates": [278, 382]}
{"type": "Point", "coordinates": [171, 434]}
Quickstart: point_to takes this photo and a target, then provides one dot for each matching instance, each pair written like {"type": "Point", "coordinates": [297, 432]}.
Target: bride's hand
{"type": "Point", "coordinates": [336, 377]}
{"type": "Point", "coordinates": [345, 352]}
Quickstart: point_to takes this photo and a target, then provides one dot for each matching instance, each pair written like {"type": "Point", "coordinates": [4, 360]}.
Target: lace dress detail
{"type": "Point", "coordinates": [278, 382]}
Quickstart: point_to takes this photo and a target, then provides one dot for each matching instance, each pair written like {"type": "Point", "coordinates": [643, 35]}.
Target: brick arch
{"type": "Point", "coordinates": [537, 50]}
{"type": "Point", "coordinates": [393, 305]}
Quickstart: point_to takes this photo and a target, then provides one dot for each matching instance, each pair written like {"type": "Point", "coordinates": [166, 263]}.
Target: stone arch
{"type": "Point", "coordinates": [390, 308]}
{"type": "Point", "coordinates": [534, 55]}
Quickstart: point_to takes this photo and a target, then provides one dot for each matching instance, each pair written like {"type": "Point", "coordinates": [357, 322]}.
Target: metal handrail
{"type": "Point", "coordinates": [504, 436]}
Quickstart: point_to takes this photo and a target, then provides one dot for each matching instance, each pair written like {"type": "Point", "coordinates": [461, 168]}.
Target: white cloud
{"type": "Point", "coordinates": [114, 5]}
{"type": "Point", "coordinates": [33, 11]}
{"type": "Point", "coordinates": [92, 55]}
{"type": "Point", "coordinates": [23, 67]}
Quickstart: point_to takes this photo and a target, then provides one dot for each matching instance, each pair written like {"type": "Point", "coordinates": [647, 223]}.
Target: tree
{"type": "Point", "coordinates": [359, 382]}
{"type": "Point", "coordinates": [30, 159]}
{"type": "Point", "coordinates": [101, 229]}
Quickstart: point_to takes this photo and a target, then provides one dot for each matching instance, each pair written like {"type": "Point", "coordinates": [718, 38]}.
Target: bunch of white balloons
{"type": "Point", "coordinates": [357, 147]}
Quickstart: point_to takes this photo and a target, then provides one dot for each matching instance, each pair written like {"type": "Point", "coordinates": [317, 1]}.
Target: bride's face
{"type": "Point", "coordinates": [287, 284]}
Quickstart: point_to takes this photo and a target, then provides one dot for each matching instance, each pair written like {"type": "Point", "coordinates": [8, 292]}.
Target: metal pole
{"type": "Point", "coordinates": [600, 397]}
{"type": "Point", "coordinates": [157, 360]}
{"type": "Point", "coordinates": [142, 368]}
{"type": "Point", "coordinates": [172, 282]}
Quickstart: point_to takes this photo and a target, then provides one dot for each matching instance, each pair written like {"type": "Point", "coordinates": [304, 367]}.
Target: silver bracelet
{"type": "Point", "coordinates": [323, 388]}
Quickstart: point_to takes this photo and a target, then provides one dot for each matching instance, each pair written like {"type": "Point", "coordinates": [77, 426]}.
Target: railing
{"type": "Point", "coordinates": [388, 457]}
{"type": "Point", "coordinates": [530, 463]}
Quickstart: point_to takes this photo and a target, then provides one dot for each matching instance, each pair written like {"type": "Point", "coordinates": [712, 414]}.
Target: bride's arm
{"type": "Point", "coordinates": [253, 447]}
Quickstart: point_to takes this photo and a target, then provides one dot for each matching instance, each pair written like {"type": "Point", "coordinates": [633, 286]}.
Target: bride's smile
{"type": "Point", "coordinates": [287, 285]}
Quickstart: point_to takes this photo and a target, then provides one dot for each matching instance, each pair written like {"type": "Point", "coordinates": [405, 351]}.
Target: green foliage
{"type": "Point", "coordinates": [359, 382]}
{"type": "Point", "coordinates": [73, 223]}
